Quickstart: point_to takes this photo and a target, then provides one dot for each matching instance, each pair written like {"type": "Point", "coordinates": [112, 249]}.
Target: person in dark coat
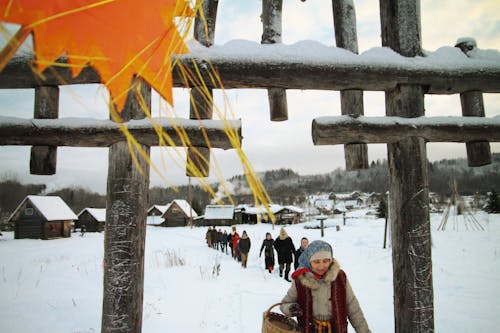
{"type": "Point", "coordinates": [215, 240]}
{"type": "Point", "coordinates": [208, 236]}
{"type": "Point", "coordinates": [230, 242]}
{"type": "Point", "coordinates": [268, 247]}
{"type": "Point", "coordinates": [244, 247]}
{"type": "Point", "coordinates": [304, 242]}
{"type": "Point", "coordinates": [286, 250]}
{"type": "Point", "coordinates": [223, 242]}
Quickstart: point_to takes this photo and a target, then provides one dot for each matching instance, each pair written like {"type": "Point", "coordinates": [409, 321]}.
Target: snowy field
{"type": "Point", "coordinates": [56, 286]}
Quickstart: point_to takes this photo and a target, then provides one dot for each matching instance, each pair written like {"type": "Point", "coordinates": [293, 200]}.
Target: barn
{"type": "Point", "coordinates": [178, 214]}
{"type": "Point", "coordinates": [42, 217]}
{"type": "Point", "coordinates": [91, 219]}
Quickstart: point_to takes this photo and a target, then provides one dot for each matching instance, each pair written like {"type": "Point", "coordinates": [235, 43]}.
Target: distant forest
{"type": "Point", "coordinates": [284, 186]}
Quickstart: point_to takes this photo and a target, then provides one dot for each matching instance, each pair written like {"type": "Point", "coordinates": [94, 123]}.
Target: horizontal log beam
{"type": "Point", "coordinates": [263, 70]}
{"type": "Point", "coordinates": [346, 129]}
{"type": "Point", "coordinates": [84, 132]}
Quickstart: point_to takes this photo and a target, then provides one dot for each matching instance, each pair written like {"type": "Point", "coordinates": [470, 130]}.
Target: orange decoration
{"type": "Point", "coordinates": [118, 38]}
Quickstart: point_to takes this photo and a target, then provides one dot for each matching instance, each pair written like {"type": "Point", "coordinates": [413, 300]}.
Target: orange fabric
{"type": "Point", "coordinates": [118, 38]}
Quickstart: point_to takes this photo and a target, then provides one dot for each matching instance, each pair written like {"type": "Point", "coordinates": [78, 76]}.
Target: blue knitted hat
{"type": "Point", "coordinates": [314, 247]}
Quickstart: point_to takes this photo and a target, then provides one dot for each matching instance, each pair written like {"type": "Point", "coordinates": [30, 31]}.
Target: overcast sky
{"type": "Point", "coordinates": [269, 145]}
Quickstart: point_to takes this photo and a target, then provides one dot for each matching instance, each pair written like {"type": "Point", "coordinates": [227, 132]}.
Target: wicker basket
{"type": "Point", "coordinates": [273, 322]}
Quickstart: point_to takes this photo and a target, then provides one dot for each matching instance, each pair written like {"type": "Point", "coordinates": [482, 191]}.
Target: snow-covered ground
{"type": "Point", "coordinates": [56, 286]}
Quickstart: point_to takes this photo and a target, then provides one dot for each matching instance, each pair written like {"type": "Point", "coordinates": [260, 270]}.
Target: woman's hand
{"type": "Point", "coordinates": [295, 310]}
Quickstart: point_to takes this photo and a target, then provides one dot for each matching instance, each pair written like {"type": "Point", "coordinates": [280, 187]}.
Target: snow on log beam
{"type": "Point", "coordinates": [271, 34]}
{"type": "Point", "coordinates": [306, 65]}
{"type": "Point", "coordinates": [345, 129]}
{"type": "Point", "coordinates": [351, 101]}
{"type": "Point", "coordinates": [85, 132]}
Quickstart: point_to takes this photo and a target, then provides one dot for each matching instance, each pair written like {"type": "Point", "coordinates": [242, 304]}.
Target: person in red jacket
{"type": "Point", "coordinates": [321, 296]}
{"type": "Point", "coordinates": [235, 237]}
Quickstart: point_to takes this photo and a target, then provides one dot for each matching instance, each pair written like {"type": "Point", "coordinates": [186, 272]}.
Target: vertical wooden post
{"type": "Point", "coordinates": [409, 192]}
{"type": "Point", "coordinates": [271, 34]}
{"type": "Point", "coordinates": [43, 159]}
{"type": "Point", "coordinates": [351, 101]}
{"type": "Point", "coordinates": [478, 153]}
{"type": "Point", "coordinates": [125, 229]}
{"type": "Point", "coordinates": [201, 99]}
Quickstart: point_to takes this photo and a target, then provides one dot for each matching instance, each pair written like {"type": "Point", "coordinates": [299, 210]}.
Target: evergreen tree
{"type": "Point", "coordinates": [382, 209]}
{"type": "Point", "coordinates": [493, 202]}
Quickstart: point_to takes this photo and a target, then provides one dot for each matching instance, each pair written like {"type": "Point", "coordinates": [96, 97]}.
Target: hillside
{"type": "Point", "coordinates": [284, 186]}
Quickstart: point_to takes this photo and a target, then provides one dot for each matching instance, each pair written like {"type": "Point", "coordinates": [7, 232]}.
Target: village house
{"type": "Point", "coordinates": [91, 220]}
{"type": "Point", "coordinates": [282, 214]}
{"type": "Point", "coordinates": [179, 213]}
{"type": "Point", "coordinates": [325, 206]}
{"type": "Point", "coordinates": [42, 217]}
{"type": "Point", "coordinates": [218, 215]}
{"type": "Point", "coordinates": [154, 214]}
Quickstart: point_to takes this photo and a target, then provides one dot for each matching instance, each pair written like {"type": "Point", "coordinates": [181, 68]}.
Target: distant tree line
{"type": "Point", "coordinates": [284, 186]}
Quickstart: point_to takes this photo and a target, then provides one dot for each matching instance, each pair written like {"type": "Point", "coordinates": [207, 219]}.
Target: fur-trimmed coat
{"type": "Point", "coordinates": [322, 305]}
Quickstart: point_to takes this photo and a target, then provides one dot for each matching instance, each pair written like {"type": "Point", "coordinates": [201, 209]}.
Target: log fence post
{"type": "Point", "coordinates": [43, 159]}
{"type": "Point", "coordinates": [271, 34]}
{"type": "Point", "coordinates": [201, 98]}
{"type": "Point", "coordinates": [351, 101]}
{"type": "Point", "coordinates": [408, 186]}
{"type": "Point", "coordinates": [478, 153]}
{"type": "Point", "coordinates": [125, 228]}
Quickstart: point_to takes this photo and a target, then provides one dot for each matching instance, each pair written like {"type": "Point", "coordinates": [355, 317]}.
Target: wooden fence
{"type": "Point", "coordinates": [405, 88]}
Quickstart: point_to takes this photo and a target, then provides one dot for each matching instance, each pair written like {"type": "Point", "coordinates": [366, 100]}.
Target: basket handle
{"type": "Point", "coordinates": [274, 305]}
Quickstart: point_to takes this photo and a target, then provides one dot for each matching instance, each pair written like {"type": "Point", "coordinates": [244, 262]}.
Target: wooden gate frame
{"type": "Point", "coordinates": [127, 189]}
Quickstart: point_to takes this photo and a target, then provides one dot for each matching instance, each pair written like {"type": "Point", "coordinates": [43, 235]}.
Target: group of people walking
{"type": "Point", "coordinates": [239, 245]}
{"type": "Point", "coordinates": [286, 251]}
{"type": "Point", "coordinates": [320, 295]}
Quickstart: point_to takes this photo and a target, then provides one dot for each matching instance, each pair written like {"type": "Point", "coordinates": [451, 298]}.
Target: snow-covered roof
{"type": "Point", "coordinates": [295, 209]}
{"type": "Point", "coordinates": [161, 208]}
{"type": "Point", "coordinates": [323, 203]}
{"type": "Point", "coordinates": [185, 206]}
{"type": "Point", "coordinates": [219, 212]}
{"type": "Point", "coordinates": [53, 208]}
{"type": "Point", "coordinates": [99, 214]}
{"type": "Point", "coordinates": [274, 208]}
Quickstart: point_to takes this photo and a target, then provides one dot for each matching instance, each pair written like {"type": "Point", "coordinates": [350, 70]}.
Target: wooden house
{"type": "Point", "coordinates": [325, 206]}
{"type": "Point", "coordinates": [42, 217]}
{"type": "Point", "coordinates": [91, 219]}
{"type": "Point", "coordinates": [282, 214]}
{"type": "Point", "coordinates": [178, 214]}
{"type": "Point", "coordinates": [155, 213]}
{"type": "Point", "coordinates": [290, 215]}
{"type": "Point", "coordinates": [218, 215]}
